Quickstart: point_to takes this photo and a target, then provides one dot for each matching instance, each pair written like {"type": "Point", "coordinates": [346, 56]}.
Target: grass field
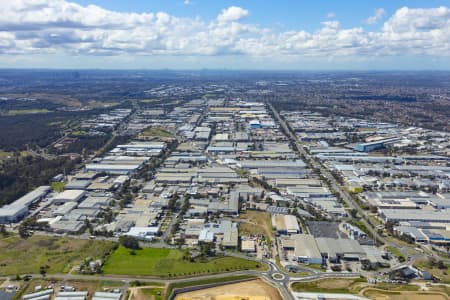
{"type": "Point", "coordinates": [146, 101]}
{"type": "Point", "coordinates": [170, 263]}
{"type": "Point", "coordinates": [5, 154]}
{"type": "Point", "coordinates": [395, 251]}
{"type": "Point", "coordinates": [338, 285]}
{"type": "Point", "coordinates": [19, 256]}
{"type": "Point", "coordinates": [155, 293]}
{"type": "Point", "coordinates": [256, 223]}
{"type": "Point", "coordinates": [359, 285]}
{"type": "Point", "coordinates": [15, 112]}
{"type": "Point", "coordinates": [57, 186]}
{"type": "Point", "coordinates": [157, 132]}
{"type": "Point", "coordinates": [442, 274]}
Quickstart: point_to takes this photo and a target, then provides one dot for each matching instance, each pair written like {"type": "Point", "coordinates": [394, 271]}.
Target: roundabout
{"type": "Point", "coordinates": [278, 276]}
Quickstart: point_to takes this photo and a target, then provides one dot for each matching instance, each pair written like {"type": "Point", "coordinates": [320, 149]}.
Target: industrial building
{"type": "Point", "coordinates": [399, 215]}
{"type": "Point", "coordinates": [285, 224]}
{"type": "Point", "coordinates": [304, 248]}
{"type": "Point", "coordinates": [68, 196]}
{"type": "Point", "coordinates": [17, 210]}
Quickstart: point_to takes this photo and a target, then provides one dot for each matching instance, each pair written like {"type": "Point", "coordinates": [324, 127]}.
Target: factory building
{"type": "Point", "coordinates": [17, 210]}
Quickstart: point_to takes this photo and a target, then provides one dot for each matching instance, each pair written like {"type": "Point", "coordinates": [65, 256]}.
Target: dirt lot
{"type": "Point", "coordinates": [255, 288]}
{"type": "Point", "coordinates": [256, 223]}
{"type": "Point", "coordinates": [376, 294]}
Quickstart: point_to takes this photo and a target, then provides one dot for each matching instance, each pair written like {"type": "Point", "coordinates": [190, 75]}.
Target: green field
{"type": "Point", "coordinates": [19, 256]}
{"type": "Point", "coordinates": [170, 263]}
{"type": "Point", "coordinates": [395, 251]}
{"type": "Point", "coordinates": [157, 132]}
{"type": "Point", "coordinates": [156, 293]}
{"type": "Point", "coordinates": [15, 112]}
{"type": "Point", "coordinates": [57, 186]}
{"type": "Point", "coordinates": [336, 285]}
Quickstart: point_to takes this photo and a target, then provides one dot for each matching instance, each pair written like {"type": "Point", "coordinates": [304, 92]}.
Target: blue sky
{"type": "Point", "coordinates": [280, 14]}
{"type": "Point", "coordinates": [193, 34]}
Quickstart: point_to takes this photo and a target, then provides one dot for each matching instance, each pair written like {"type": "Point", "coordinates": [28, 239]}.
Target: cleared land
{"type": "Point", "coordinates": [255, 289]}
{"type": "Point", "coordinates": [170, 263]}
{"type": "Point", "coordinates": [147, 293]}
{"type": "Point", "coordinates": [19, 256]}
{"type": "Point", "coordinates": [380, 291]}
{"type": "Point", "coordinates": [256, 223]}
{"type": "Point", "coordinates": [377, 294]}
{"type": "Point", "coordinates": [442, 274]}
{"type": "Point", "coordinates": [338, 285]}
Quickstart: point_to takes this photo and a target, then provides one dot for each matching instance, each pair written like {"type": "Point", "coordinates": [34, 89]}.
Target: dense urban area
{"type": "Point", "coordinates": [135, 185]}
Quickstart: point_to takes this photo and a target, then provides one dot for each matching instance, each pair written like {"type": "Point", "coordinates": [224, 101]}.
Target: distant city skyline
{"type": "Point", "coordinates": [198, 34]}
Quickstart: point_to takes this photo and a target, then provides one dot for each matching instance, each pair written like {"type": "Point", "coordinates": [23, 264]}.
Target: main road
{"type": "Point", "coordinates": [324, 172]}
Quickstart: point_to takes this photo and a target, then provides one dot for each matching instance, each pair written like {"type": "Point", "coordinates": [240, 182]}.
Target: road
{"type": "Point", "coordinates": [324, 172]}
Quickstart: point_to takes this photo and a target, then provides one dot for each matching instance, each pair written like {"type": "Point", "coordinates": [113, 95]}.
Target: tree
{"type": "Point", "coordinates": [129, 242]}
{"type": "Point", "coordinates": [441, 265]}
{"type": "Point", "coordinates": [3, 231]}
{"type": "Point", "coordinates": [43, 270]}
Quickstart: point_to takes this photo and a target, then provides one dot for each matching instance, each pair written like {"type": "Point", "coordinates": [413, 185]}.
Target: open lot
{"type": "Point", "coordinates": [147, 293]}
{"type": "Point", "coordinates": [442, 274]}
{"type": "Point", "coordinates": [157, 132]}
{"type": "Point", "coordinates": [21, 256]}
{"type": "Point", "coordinates": [378, 294]}
{"type": "Point", "coordinates": [338, 285]}
{"type": "Point", "coordinates": [170, 263]}
{"type": "Point", "coordinates": [245, 290]}
{"type": "Point", "coordinates": [256, 223]}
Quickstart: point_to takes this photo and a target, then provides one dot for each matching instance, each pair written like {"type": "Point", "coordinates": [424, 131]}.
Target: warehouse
{"type": "Point", "coordinates": [367, 147]}
{"type": "Point", "coordinates": [414, 233]}
{"type": "Point", "coordinates": [118, 169]}
{"type": "Point", "coordinates": [68, 196]}
{"type": "Point", "coordinates": [67, 226]}
{"type": "Point", "coordinates": [309, 192]}
{"type": "Point", "coordinates": [285, 224]}
{"type": "Point", "coordinates": [95, 202]}
{"type": "Point", "coordinates": [144, 233]}
{"type": "Point", "coordinates": [275, 163]}
{"type": "Point", "coordinates": [77, 185]}
{"type": "Point", "coordinates": [399, 215]}
{"type": "Point", "coordinates": [281, 182]}
{"type": "Point", "coordinates": [337, 249]}
{"type": "Point", "coordinates": [12, 213]}
{"type": "Point", "coordinates": [135, 146]}
{"type": "Point", "coordinates": [305, 249]}
{"type": "Point", "coordinates": [17, 210]}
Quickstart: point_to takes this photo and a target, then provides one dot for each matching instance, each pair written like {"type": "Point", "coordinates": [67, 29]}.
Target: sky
{"type": "Point", "coordinates": [222, 34]}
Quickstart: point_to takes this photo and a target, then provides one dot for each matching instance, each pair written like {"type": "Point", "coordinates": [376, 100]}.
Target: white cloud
{"type": "Point", "coordinates": [186, 2]}
{"type": "Point", "coordinates": [232, 14]}
{"type": "Point", "coordinates": [331, 15]}
{"type": "Point", "coordinates": [61, 27]}
{"type": "Point", "coordinates": [378, 15]}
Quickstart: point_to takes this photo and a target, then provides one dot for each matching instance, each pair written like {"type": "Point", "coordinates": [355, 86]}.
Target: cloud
{"type": "Point", "coordinates": [186, 2]}
{"type": "Point", "coordinates": [379, 14]}
{"type": "Point", "coordinates": [232, 14]}
{"type": "Point", "coordinates": [331, 15]}
{"type": "Point", "coordinates": [65, 28]}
